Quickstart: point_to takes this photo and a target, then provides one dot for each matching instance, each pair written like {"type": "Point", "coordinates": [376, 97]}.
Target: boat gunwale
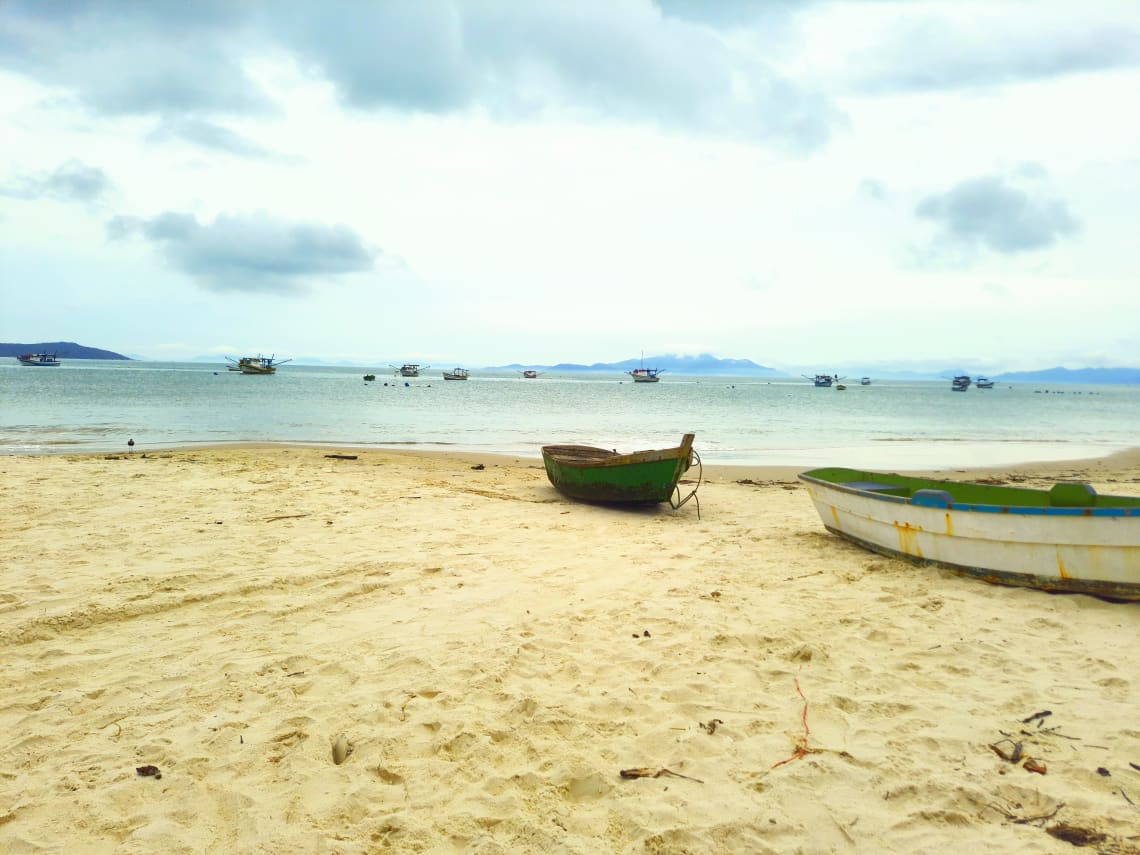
{"type": "Point", "coordinates": [594, 457]}
{"type": "Point", "coordinates": [1107, 510]}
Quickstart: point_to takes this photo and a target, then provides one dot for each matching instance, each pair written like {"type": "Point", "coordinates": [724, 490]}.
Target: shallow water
{"type": "Point", "coordinates": [95, 405]}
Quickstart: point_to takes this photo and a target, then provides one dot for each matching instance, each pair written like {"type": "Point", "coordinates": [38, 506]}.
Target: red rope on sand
{"type": "Point", "coordinates": [801, 743]}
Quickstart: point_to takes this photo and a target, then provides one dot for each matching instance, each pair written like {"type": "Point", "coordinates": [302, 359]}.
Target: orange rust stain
{"type": "Point", "coordinates": [1061, 567]}
{"type": "Point", "coordinates": [835, 516]}
{"type": "Point", "coordinates": [908, 539]}
{"type": "Point", "coordinates": [949, 525]}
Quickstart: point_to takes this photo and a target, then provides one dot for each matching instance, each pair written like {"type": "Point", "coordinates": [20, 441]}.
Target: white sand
{"type": "Point", "coordinates": [494, 654]}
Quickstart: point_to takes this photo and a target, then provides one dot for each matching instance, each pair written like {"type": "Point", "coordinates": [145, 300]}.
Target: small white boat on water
{"type": "Point", "coordinates": [984, 383]}
{"type": "Point", "coordinates": [410, 369]}
{"type": "Point", "coordinates": [1067, 538]}
{"type": "Point", "coordinates": [456, 374]}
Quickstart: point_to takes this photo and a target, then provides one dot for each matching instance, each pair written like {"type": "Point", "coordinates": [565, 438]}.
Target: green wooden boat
{"type": "Point", "coordinates": [600, 475]}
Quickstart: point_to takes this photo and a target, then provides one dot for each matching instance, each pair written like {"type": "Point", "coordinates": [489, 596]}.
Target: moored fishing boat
{"type": "Point", "coordinates": [960, 383]}
{"type": "Point", "coordinates": [456, 374]}
{"type": "Point", "coordinates": [823, 381]}
{"type": "Point", "coordinates": [256, 364]}
{"type": "Point", "coordinates": [1067, 538]}
{"type": "Point", "coordinates": [645, 375]}
{"type": "Point", "coordinates": [529, 374]}
{"type": "Point", "coordinates": [41, 360]}
{"type": "Point", "coordinates": [601, 475]}
{"type": "Point", "coordinates": [984, 383]}
{"type": "Point", "coordinates": [410, 369]}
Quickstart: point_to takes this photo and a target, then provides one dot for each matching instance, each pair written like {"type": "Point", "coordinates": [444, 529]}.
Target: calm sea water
{"type": "Point", "coordinates": [94, 405]}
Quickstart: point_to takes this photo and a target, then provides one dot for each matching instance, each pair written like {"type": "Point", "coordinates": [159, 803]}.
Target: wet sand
{"type": "Point", "coordinates": [484, 657]}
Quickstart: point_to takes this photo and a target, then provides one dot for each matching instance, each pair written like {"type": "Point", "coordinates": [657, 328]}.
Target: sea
{"type": "Point", "coordinates": [88, 406]}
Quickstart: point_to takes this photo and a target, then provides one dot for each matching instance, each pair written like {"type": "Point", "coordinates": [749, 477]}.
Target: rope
{"type": "Point", "coordinates": [677, 490]}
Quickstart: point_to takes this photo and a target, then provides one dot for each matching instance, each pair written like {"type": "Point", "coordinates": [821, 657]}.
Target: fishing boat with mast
{"type": "Point", "coordinates": [39, 360]}
{"type": "Point", "coordinates": [259, 364]}
{"type": "Point", "coordinates": [641, 374]}
{"type": "Point", "coordinates": [823, 381]}
{"type": "Point", "coordinates": [410, 369]}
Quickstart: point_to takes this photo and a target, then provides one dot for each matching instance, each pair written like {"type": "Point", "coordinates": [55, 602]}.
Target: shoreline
{"type": "Point", "coordinates": [1101, 466]}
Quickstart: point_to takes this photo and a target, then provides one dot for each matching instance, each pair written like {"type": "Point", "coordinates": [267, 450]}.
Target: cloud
{"type": "Point", "coordinates": [252, 252]}
{"type": "Point", "coordinates": [593, 59]}
{"type": "Point", "coordinates": [999, 44]}
{"type": "Point", "coordinates": [136, 58]}
{"type": "Point", "coordinates": [72, 181]}
{"type": "Point", "coordinates": [209, 135]}
{"type": "Point", "coordinates": [990, 213]}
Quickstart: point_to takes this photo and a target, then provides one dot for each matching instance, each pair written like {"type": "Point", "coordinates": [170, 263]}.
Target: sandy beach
{"type": "Point", "coordinates": [407, 653]}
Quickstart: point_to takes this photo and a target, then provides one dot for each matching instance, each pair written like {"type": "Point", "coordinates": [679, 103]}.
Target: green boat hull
{"type": "Point", "coordinates": [598, 475]}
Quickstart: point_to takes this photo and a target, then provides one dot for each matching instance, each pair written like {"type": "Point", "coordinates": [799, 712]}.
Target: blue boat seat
{"type": "Point", "coordinates": [932, 499]}
{"type": "Point", "coordinates": [1072, 495]}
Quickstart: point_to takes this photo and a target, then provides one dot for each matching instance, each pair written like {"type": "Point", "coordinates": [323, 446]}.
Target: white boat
{"type": "Point", "coordinates": [1067, 538]}
{"type": "Point", "coordinates": [866, 381]}
{"type": "Point", "coordinates": [984, 383]}
{"type": "Point", "coordinates": [456, 374]}
{"type": "Point", "coordinates": [530, 374]}
{"type": "Point", "coordinates": [410, 369]}
{"type": "Point", "coordinates": [645, 375]}
{"type": "Point", "coordinates": [41, 360]}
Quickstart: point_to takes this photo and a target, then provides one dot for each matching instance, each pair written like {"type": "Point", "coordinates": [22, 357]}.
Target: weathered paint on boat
{"type": "Point", "coordinates": [600, 475]}
{"type": "Point", "coordinates": [1068, 538]}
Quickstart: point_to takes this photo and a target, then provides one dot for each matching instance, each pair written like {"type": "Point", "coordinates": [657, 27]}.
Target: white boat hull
{"type": "Point", "coordinates": [1057, 550]}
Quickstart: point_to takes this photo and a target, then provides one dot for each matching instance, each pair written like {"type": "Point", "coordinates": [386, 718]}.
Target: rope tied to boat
{"type": "Point", "coordinates": [676, 503]}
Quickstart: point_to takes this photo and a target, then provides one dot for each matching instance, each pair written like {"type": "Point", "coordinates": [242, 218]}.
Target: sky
{"type": "Point", "coordinates": [809, 185]}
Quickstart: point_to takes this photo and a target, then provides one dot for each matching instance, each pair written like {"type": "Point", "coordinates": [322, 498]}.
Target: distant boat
{"type": "Point", "coordinates": [600, 475]}
{"type": "Point", "coordinates": [866, 381]}
{"type": "Point", "coordinates": [256, 364]}
{"type": "Point", "coordinates": [456, 374]}
{"type": "Point", "coordinates": [823, 380]}
{"type": "Point", "coordinates": [369, 377]}
{"type": "Point", "coordinates": [410, 369]}
{"type": "Point", "coordinates": [840, 388]}
{"type": "Point", "coordinates": [1067, 538]}
{"type": "Point", "coordinates": [529, 374]}
{"type": "Point", "coordinates": [960, 383]}
{"type": "Point", "coordinates": [42, 360]}
{"type": "Point", "coordinates": [984, 383]}
{"type": "Point", "coordinates": [645, 375]}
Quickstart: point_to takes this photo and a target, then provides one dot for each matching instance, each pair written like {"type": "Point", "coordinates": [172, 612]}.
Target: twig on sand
{"type": "Point", "coordinates": [286, 517]}
{"type": "Point", "coordinates": [647, 772]}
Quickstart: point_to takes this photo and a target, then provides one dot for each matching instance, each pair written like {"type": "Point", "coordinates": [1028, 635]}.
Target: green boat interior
{"type": "Point", "coordinates": [934, 493]}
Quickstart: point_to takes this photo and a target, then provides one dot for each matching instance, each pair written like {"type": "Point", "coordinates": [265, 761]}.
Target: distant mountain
{"type": "Point", "coordinates": [1091, 376]}
{"type": "Point", "coordinates": [62, 349]}
{"type": "Point", "coordinates": [704, 363]}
